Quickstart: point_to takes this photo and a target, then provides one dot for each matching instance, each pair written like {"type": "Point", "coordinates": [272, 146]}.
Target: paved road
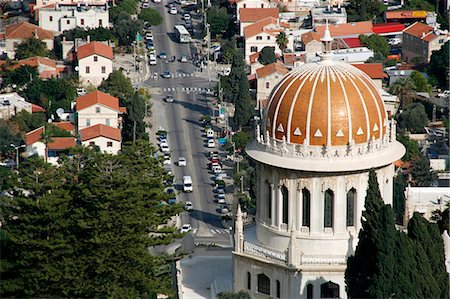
{"type": "Point", "coordinates": [181, 120]}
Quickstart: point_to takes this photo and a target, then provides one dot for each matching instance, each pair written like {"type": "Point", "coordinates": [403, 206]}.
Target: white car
{"type": "Point", "coordinates": [183, 59]}
{"type": "Point", "coordinates": [157, 1]}
{"type": "Point", "coordinates": [173, 11]}
{"type": "Point", "coordinates": [187, 16]}
{"type": "Point", "coordinates": [152, 60]}
{"type": "Point", "coordinates": [145, 5]}
{"type": "Point", "coordinates": [167, 160]}
{"type": "Point", "coordinates": [210, 133]}
{"type": "Point", "coordinates": [188, 206]}
{"type": "Point", "coordinates": [221, 199]}
{"type": "Point", "coordinates": [182, 161]}
{"type": "Point", "coordinates": [185, 228]}
{"type": "Point", "coordinates": [444, 94]}
{"type": "Point", "coordinates": [211, 143]}
{"type": "Point", "coordinates": [164, 147]}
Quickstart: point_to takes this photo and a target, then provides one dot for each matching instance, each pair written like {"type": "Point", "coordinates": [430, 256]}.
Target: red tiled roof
{"type": "Point", "coordinates": [47, 74]}
{"type": "Point", "coordinates": [373, 70]}
{"type": "Point", "coordinates": [405, 14]}
{"type": "Point", "coordinates": [269, 69]}
{"type": "Point", "coordinates": [97, 97]}
{"type": "Point", "coordinates": [36, 108]}
{"type": "Point", "coordinates": [26, 30]}
{"type": "Point", "coordinates": [257, 14]}
{"type": "Point", "coordinates": [254, 57]}
{"type": "Point", "coordinates": [388, 27]}
{"type": "Point", "coordinates": [253, 29]}
{"type": "Point", "coordinates": [36, 61]}
{"type": "Point", "coordinates": [290, 58]}
{"type": "Point", "coordinates": [347, 29]}
{"type": "Point", "coordinates": [65, 125]}
{"type": "Point", "coordinates": [34, 136]}
{"type": "Point", "coordinates": [60, 143]}
{"type": "Point", "coordinates": [123, 109]}
{"type": "Point", "coordinates": [100, 130]}
{"type": "Point", "coordinates": [95, 48]}
{"type": "Point", "coordinates": [309, 37]}
{"type": "Point", "coordinates": [352, 42]}
{"type": "Point", "coordinates": [418, 29]}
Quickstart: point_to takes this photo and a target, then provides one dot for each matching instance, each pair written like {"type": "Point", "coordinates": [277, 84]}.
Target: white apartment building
{"type": "Point", "coordinates": [94, 62]}
{"type": "Point", "coordinates": [267, 77]}
{"type": "Point", "coordinates": [107, 139]}
{"type": "Point", "coordinates": [15, 34]}
{"type": "Point", "coordinates": [63, 17]}
{"type": "Point", "coordinates": [97, 108]}
{"type": "Point", "coordinates": [334, 15]}
{"type": "Point", "coordinates": [41, 3]}
{"type": "Point", "coordinates": [11, 104]}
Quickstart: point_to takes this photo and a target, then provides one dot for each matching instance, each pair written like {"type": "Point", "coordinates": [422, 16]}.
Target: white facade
{"type": "Point", "coordinates": [94, 72]}
{"type": "Point", "coordinates": [11, 45]}
{"type": "Point", "coordinates": [425, 200]}
{"type": "Point", "coordinates": [263, 39]}
{"type": "Point", "coordinates": [106, 145]}
{"type": "Point", "coordinates": [97, 114]}
{"type": "Point", "coordinates": [252, 4]}
{"type": "Point", "coordinates": [299, 5]}
{"type": "Point", "coordinates": [68, 17]}
{"type": "Point", "coordinates": [334, 15]}
{"type": "Point", "coordinates": [265, 85]}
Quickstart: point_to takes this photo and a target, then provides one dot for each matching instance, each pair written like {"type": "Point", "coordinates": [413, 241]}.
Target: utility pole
{"type": "Point", "coordinates": [208, 34]}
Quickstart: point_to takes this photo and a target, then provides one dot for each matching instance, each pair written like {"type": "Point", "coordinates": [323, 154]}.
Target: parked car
{"type": "Point", "coordinates": [169, 99]}
{"type": "Point", "coordinates": [164, 147]}
{"type": "Point", "coordinates": [185, 228]}
{"type": "Point", "coordinates": [444, 94]}
{"type": "Point", "coordinates": [149, 36]}
{"type": "Point", "coordinates": [166, 75]}
{"type": "Point", "coordinates": [187, 17]}
{"type": "Point", "coordinates": [210, 133]}
{"type": "Point", "coordinates": [221, 199]}
{"type": "Point", "coordinates": [183, 59]}
{"type": "Point", "coordinates": [223, 209]}
{"type": "Point", "coordinates": [182, 162]}
{"type": "Point", "coordinates": [211, 143]}
{"type": "Point", "coordinates": [188, 206]}
{"type": "Point", "coordinates": [163, 55]}
{"type": "Point", "coordinates": [145, 5]}
{"type": "Point", "coordinates": [173, 11]}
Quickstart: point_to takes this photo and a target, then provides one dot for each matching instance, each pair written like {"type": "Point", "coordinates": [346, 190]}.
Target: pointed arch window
{"type": "Point", "coordinates": [306, 207]}
{"type": "Point", "coordinates": [328, 208]}
{"type": "Point", "coordinates": [350, 213]}
{"type": "Point", "coordinates": [285, 195]}
{"type": "Point", "coordinates": [263, 284]}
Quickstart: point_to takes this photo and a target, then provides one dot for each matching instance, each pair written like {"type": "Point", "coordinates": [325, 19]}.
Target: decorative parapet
{"type": "Point", "coordinates": [352, 149]}
{"type": "Point", "coordinates": [323, 259]}
{"type": "Point", "coordinates": [264, 252]}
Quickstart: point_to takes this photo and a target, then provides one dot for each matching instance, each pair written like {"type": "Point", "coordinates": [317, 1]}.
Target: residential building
{"type": "Point", "coordinates": [56, 146]}
{"type": "Point", "coordinates": [410, 16]}
{"type": "Point", "coordinates": [66, 16]}
{"type": "Point", "coordinates": [17, 33]}
{"type": "Point", "coordinates": [106, 138]}
{"type": "Point", "coordinates": [46, 67]}
{"type": "Point", "coordinates": [396, 72]}
{"type": "Point", "coordinates": [254, 63]}
{"type": "Point", "coordinates": [252, 4]}
{"type": "Point", "coordinates": [420, 40]}
{"type": "Point", "coordinates": [42, 3]}
{"type": "Point", "coordinates": [354, 55]}
{"type": "Point", "coordinates": [267, 77]}
{"type": "Point", "coordinates": [298, 5]}
{"type": "Point", "coordinates": [374, 71]}
{"type": "Point", "coordinates": [425, 200]}
{"type": "Point", "coordinates": [347, 30]}
{"type": "Point", "coordinates": [332, 15]}
{"type": "Point", "coordinates": [94, 62]}
{"type": "Point", "coordinates": [250, 16]}
{"type": "Point", "coordinates": [97, 108]}
{"type": "Point", "coordinates": [311, 44]}
{"type": "Point", "coordinates": [11, 104]}
{"type": "Point", "coordinates": [263, 34]}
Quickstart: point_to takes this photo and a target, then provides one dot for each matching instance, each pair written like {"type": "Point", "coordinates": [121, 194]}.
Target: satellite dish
{"type": "Point", "coordinates": [59, 112]}
{"type": "Point", "coordinates": [77, 68]}
{"type": "Point", "coordinates": [49, 120]}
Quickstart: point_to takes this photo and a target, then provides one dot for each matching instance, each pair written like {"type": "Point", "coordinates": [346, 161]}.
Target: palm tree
{"type": "Point", "coordinates": [282, 41]}
{"type": "Point", "coordinates": [46, 138]}
{"type": "Point", "coordinates": [404, 88]}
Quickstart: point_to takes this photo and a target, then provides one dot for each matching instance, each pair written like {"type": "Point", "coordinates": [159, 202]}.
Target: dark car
{"type": "Point", "coordinates": [163, 55]}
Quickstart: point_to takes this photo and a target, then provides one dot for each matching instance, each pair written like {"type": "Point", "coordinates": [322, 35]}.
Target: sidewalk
{"type": "Point", "coordinates": [126, 62]}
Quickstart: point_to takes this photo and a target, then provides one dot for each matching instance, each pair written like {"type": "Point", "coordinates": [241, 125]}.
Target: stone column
{"type": "Point", "coordinates": [316, 207]}
{"type": "Point", "coordinates": [279, 206]}
{"type": "Point", "coordinates": [272, 203]}
{"type": "Point", "coordinates": [299, 208]}
{"type": "Point", "coordinates": [340, 206]}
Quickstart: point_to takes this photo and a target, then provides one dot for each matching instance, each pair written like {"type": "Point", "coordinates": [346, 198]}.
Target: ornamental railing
{"type": "Point", "coordinates": [264, 252]}
{"type": "Point", "coordinates": [323, 259]}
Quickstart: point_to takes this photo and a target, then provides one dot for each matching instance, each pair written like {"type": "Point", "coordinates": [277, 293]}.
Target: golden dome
{"type": "Point", "coordinates": [326, 103]}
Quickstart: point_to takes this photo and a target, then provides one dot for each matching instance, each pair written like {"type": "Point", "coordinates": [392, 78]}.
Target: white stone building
{"type": "Point", "coordinates": [11, 104]}
{"type": "Point", "coordinates": [106, 138]}
{"type": "Point", "coordinates": [61, 17]}
{"type": "Point", "coordinates": [332, 15]}
{"type": "Point", "coordinates": [15, 34]}
{"type": "Point", "coordinates": [324, 128]}
{"type": "Point", "coordinates": [94, 62]}
{"type": "Point", "coordinates": [267, 77]}
{"type": "Point", "coordinates": [97, 108]}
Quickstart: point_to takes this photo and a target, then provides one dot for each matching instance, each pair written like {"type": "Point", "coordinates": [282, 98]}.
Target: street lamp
{"type": "Point", "coordinates": [17, 153]}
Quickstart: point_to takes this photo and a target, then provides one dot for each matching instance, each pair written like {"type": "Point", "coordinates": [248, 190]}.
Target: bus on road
{"type": "Point", "coordinates": [182, 35]}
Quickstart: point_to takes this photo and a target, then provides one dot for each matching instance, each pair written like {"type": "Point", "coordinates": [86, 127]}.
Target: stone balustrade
{"type": "Point", "coordinates": [264, 252]}
{"type": "Point", "coordinates": [322, 259]}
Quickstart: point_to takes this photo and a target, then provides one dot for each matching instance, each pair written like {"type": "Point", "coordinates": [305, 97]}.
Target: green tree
{"type": "Point", "coordinates": [9, 135]}
{"type": "Point", "coordinates": [85, 227]}
{"type": "Point", "coordinates": [29, 121]}
{"type": "Point", "coordinates": [31, 47]}
{"type": "Point", "coordinates": [365, 10]}
{"type": "Point", "coordinates": [399, 197]}
{"type": "Point", "coordinates": [442, 219]}
{"type": "Point", "coordinates": [414, 118]}
{"type": "Point", "coordinates": [376, 43]}
{"type": "Point", "coordinates": [152, 16]}
{"type": "Point", "coordinates": [282, 41]}
{"type": "Point", "coordinates": [19, 76]}
{"type": "Point", "coordinates": [218, 19]}
{"type": "Point", "coordinates": [412, 147]}
{"type": "Point", "coordinates": [439, 65]}
{"type": "Point", "coordinates": [420, 82]}
{"type": "Point", "coordinates": [403, 87]}
{"type": "Point", "coordinates": [241, 139]}
{"type": "Point", "coordinates": [231, 295]}
{"type": "Point", "coordinates": [227, 56]}
{"type": "Point", "coordinates": [422, 174]}
{"type": "Point", "coordinates": [118, 85]}
{"type": "Point", "coordinates": [126, 29]}
{"type": "Point", "coordinates": [375, 249]}
{"type": "Point", "coordinates": [242, 102]}
{"type": "Point", "coordinates": [267, 55]}
{"type": "Point", "coordinates": [420, 5]}
{"type": "Point", "coordinates": [134, 125]}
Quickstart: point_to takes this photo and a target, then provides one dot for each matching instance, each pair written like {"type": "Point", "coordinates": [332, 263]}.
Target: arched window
{"type": "Point", "coordinates": [306, 207]}
{"type": "Point", "coordinates": [309, 291]}
{"type": "Point", "coordinates": [350, 214]}
{"type": "Point", "coordinates": [329, 290]}
{"type": "Point", "coordinates": [263, 284]}
{"type": "Point", "coordinates": [278, 289]}
{"type": "Point", "coordinates": [285, 194]}
{"type": "Point", "coordinates": [328, 208]}
{"type": "Point", "coordinates": [249, 281]}
{"type": "Point", "coordinates": [268, 196]}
